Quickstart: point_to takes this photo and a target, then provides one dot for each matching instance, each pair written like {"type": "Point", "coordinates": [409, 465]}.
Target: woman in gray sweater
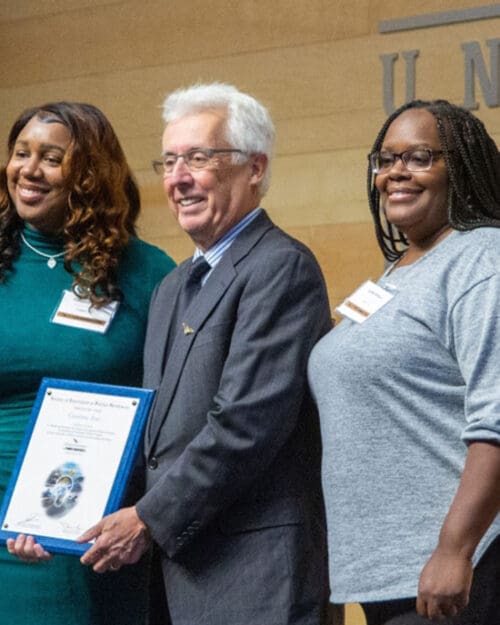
{"type": "Point", "coordinates": [408, 384]}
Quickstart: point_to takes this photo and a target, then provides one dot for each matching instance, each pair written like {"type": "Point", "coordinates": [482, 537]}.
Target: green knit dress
{"type": "Point", "coordinates": [62, 591]}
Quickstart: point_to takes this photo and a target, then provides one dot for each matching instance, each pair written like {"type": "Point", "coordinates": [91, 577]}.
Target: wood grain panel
{"type": "Point", "coordinates": [129, 35]}
{"type": "Point", "coordinates": [29, 9]}
{"type": "Point", "coordinates": [327, 100]}
{"type": "Point", "coordinates": [348, 255]}
{"type": "Point", "coordinates": [354, 615]}
{"type": "Point", "coordinates": [319, 188]}
{"type": "Point", "coordinates": [383, 10]}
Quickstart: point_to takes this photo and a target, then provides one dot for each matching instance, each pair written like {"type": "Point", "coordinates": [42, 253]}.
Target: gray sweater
{"type": "Point", "coordinates": [399, 396]}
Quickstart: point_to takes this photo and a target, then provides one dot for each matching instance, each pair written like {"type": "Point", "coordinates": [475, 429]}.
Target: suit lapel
{"type": "Point", "coordinates": [250, 236]}
{"type": "Point", "coordinates": [162, 330]}
{"type": "Point", "coordinates": [191, 321]}
{"type": "Point", "coordinates": [188, 325]}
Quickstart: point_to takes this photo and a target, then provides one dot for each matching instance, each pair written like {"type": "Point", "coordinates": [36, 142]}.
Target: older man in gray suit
{"type": "Point", "coordinates": [232, 445]}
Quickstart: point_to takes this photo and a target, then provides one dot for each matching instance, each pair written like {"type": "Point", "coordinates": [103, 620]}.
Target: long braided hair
{"type": "Point", "coordinates": [473, 165]}
{"type": "Point", "coordinates": [103, 200]}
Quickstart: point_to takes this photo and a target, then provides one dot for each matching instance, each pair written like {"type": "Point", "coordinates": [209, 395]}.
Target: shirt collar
{"type": "Point", "coordinates": [214, 254]}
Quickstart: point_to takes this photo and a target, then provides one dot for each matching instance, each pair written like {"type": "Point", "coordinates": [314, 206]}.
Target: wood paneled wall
{"type": "Point", "coordinates": [314, 63]}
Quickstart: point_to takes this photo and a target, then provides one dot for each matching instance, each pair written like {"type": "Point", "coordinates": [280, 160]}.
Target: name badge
{"type": "Point", "coordinates": [365, 301]}
{"type": "Point", "coordinates": [78, 312]}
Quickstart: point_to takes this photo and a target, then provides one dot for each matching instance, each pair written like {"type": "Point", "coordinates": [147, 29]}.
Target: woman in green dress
{"type": "Point", "coordinates": [68, 208]}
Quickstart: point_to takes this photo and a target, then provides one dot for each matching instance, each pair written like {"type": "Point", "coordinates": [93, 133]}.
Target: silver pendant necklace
{"type": "Point", "coordinates": [51, 262]}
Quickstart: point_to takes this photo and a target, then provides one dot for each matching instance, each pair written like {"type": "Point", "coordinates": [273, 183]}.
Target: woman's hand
{"type": "Point", "coordinates": [446, 579]}
{"type": "Point", "coordinates": [27, 549]}
{"type": "Point", "coordinates": [444, 586]}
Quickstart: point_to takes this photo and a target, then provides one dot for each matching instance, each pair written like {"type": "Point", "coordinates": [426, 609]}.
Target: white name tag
{"type": "Point", "coordinates": [78, 313]}
{"type": "Point", "coordinates": [365, 300]}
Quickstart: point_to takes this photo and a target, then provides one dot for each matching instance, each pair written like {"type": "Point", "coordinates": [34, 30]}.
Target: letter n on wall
{"type": "Point", "coordinates": [475, 66]}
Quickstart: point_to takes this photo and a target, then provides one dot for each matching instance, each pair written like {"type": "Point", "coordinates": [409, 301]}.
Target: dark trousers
{"type": "Point", "coordinates": [484, 602]}
{"type": "Point", "coordinates": [158, 607]}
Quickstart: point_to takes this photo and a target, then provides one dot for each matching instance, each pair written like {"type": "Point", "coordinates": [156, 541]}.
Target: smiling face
{"type": "Point", "coordinates": [209, 202]}
{"type": "Point", "coordinates": [415, 202]}
{"type": "Point", "coordinates": [34, 175]}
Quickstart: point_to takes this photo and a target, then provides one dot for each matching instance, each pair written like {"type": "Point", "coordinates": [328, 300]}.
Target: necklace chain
{"type": "Point", "coordinates": [51, 262]}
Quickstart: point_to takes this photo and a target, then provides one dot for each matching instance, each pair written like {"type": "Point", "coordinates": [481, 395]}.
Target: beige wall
{"type": "Point", "coordinates": [314, 63]}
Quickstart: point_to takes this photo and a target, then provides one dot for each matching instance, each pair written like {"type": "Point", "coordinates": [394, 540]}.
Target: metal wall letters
{"type": "Point", "coordinates": [474, 63]}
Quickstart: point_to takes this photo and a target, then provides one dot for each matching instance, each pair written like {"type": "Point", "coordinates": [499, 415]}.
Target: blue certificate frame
{"type": "Point", "coordinates": [77, 456]}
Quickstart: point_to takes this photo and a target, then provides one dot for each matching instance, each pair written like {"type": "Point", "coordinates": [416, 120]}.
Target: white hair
{"type": "Point", "coordinates": [248, 128]}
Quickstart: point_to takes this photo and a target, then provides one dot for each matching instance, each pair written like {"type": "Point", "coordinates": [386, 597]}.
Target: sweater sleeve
{"type": "Point", "coordinates": [475, 319]}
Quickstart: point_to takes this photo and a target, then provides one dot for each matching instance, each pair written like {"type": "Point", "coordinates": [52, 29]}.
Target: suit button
{"type": "Point", "coordinates": [152, 463]}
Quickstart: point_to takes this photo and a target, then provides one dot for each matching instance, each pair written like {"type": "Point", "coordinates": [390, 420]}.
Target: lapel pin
{"type": "Point", "coordinates": [187, 329]}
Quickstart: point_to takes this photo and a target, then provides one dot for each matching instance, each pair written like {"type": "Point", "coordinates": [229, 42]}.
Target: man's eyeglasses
{"type": "Point", "coordinates": [196, 159]}
{"type": "Point", "coordinates": [419, 159]}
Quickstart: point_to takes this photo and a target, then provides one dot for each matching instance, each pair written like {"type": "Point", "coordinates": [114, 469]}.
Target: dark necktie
{"type": "Point", "coordinates": [196, 272]}
{"type": "Point", "coordinates": [193, 283]}
{"type": "Point", "coordinates": [191, 287]}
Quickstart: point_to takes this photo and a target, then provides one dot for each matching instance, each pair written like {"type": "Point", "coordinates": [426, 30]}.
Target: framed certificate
{"type": "Point", "coordinates": [78, 452]}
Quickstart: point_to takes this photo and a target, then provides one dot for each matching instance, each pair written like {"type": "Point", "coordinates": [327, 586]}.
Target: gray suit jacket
{"type": "Point", "coordinates": [232, 444]}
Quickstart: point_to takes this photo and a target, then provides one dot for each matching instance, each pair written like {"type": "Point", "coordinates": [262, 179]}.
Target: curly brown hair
{"type": "Point", "coordinates": [103, 200]}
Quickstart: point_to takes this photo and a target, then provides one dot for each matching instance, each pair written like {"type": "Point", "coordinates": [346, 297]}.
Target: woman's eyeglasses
{"type": "Point", "coordinates": [419, 159]}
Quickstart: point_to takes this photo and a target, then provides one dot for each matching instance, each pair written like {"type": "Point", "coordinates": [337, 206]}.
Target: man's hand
{"type": "Point", "coordinates": [121, 538]}
{"type": "Point", "coordinates": [444, 586]}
